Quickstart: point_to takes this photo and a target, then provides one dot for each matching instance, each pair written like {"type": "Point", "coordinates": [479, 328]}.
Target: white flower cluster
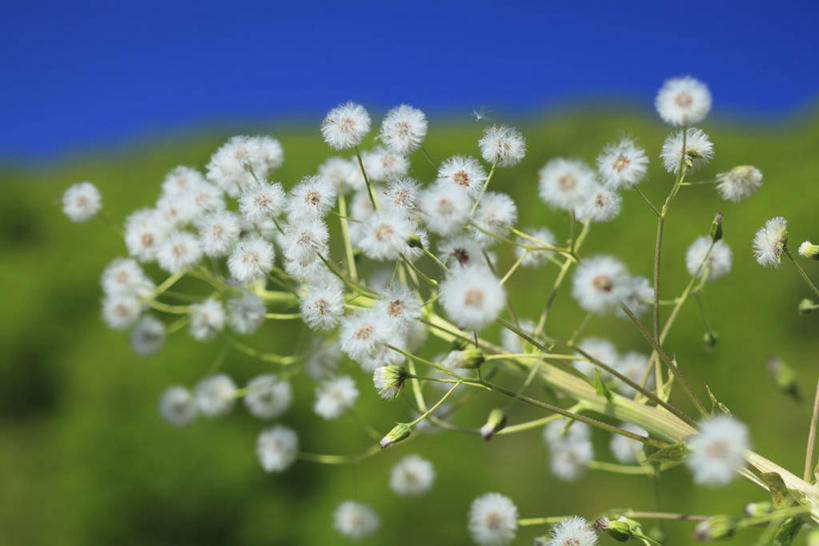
{"type": "Point", "coordinates": [261, 251]}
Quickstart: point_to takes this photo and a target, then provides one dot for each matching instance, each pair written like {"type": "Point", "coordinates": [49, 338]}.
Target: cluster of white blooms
{"type": "Point", "coordinates": [422, 257]}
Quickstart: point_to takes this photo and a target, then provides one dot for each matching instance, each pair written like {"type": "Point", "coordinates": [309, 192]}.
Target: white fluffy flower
{"type": "Point", "coordinates": [334, 396]}
{"type": "Point", "coordinates": [268, 396]}
{"type": "Point", "coordinates": [622, 165]}
{"type": "Point", "coordinates": [460, 251]}
{"type": "Point", "coordinates": [179, 252]}
{"type": "Point", "coordinates": [242, 161]}
{"type": "Point", "coordinates": [412, 475]}
{"type": "Point", "coordinates": [402, 194]}
{"type": "Point", "coordinates": [599, 284]}
{"type": "Point", "coordinates": [345, 126]}
{"type": "Point", "coordinates": [556, 435]}
{"type": "Point", "coordinates": [323, 306]}
{"type": "Point", "coordinates": [206, 199]}
{"type": "Point", "coordinates": [683, 101]}
{"type": "Point", "coordinates": [600, 349]}
{"type": "Point", "coordinates": [81, 202]}
{"type": "Point", "coordinates": [698, 150]}
{"type": "Point", "coordinates": [363, 334]}
{"type": "Point", "coordinates": [383, 165]}
{"type": "Point", "coordinates": [277, 448]}
{"type": "Point", "coordinates": [385, 235]}
{"type": "Point", "coordinates": [124, 277]}
{"type": "Point", "coordinates": [446, 208]}
{"type": "Point", "coordinates": [148, 336]}
{"type": "Point", "coordinates": [145, 231]}
{"type": "Point", "coordinates": [262, 201]}
{"type": "Point", "coordinates": [218, 233]}
{"type": "Point", "coordinates": [632, 365]}
{"type": "Point", "coordinates": [472, 297]}
{"type": "Point", "coordinates": [399, 306]}
{"type": "Point", "coordinates": [718, 450]}
{"type": "Point", "coordinates": [463, 173]}
{"type": "Point", "coordinates": [565, 183]}
{"type": "Point", "coordinates": [177, 406]}
{"type": "Point", "coordinates": [739, 183]}
{"type": "Point", "coordinates": [355, 520]}
{"type": "Point", "coordinates": [403, 129]}
{"type": "Point", "coordinates": [493, 520]}
{"type": "Point", "coordinates": [718, 262]}
{"type": "Point", "coordinates": [345, 174]}
{"type": "Point", "coordinates": [601, 205]}
{"type": "Point", "coordinates": [215, 395]}
{"type": "Point", "coordinates": [251, 259]}
{"type": "Point", "coordinates": [181, 180]}
{"type": "Point", "coordinates": [207, 319]}
{"type": "Point", "coordinates": [246, 313]}
{"type": "Point", "coordinates": [313, 197]}
{"type": "Point", "coordinates": [178, 210]}
{"type": "Point", "coordinates": [569, 450]}
{"type": "Point", "coordinates": [495, 212]}
{"type": "Point", "coordinates": [121, 312]}
{"type": "Point", "coordinates": [638, 295]}
{"type": "Point", "coordinates": [572, 531]}
{"type": "Point", "coordinates": [770, 241]}
{"type": "Point", "coordinates": [625, 449]}
{"type": "Point", "coordinates": [535, 258]}
{"type": "Point", "coordinates": [303, 240]}
{"type": "Point", "coordinates": [502, 145]}
{"type": "Point", "coordinates": [323, 360]}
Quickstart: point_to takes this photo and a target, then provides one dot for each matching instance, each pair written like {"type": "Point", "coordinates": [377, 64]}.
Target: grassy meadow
{"type": "Point", "coordinates": [85, 458]}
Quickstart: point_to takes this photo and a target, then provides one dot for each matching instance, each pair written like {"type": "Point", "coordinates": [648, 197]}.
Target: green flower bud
{"type": "Point", "coordinates": [809, 250]}
{"type": "Point", "coordinates": [716, 228]}
{"type": "Point", "coordinates": [414, 241]}
{"type": "Point", "coordinates": [495, 422]}
{"type": "Point", "coordinates": [807, 306]}
{"type": "Point", "coordinates": [470, 357]}
{"type": "Point", "coordinates": [758, 508]}
{"type": "Point", "coordinates": [715, 528]}
{"type": "Point", "coordinates": [620, 529]}
{"type": "Point", "coordinates": [399, 432]}
{"type": "Point", "coordinates": [784, 376]}
{"type": "Point", "coordinates": [710, 339]}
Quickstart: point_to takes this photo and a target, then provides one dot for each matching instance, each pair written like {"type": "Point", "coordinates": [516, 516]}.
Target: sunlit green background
{"type": "Point", "coordinates": [85, 459]}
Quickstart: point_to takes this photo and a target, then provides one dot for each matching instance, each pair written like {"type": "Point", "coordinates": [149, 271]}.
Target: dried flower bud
{"type": "Point", "coordinates": [716, 228]}
{"type": "Point", "coordinates": [758, 508]}
{"type": "Point", "coordinates": [399, 432]}
{"type": "Point", "coordinates": [715, 528]}
{"type": "Point", "coordinates": [495, 422]}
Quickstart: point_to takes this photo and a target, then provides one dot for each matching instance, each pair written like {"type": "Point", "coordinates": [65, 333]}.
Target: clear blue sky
{"type": "Point", "coordinates": [77, 75]}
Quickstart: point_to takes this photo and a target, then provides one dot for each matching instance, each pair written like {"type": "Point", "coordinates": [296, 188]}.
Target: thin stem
{"type": "Point", "coordinates": [370, 192]}
{"type": "Point", "coordinates": [429, 157]}
{"type": "Point", "coordinates": [431, 282]}
{"type": "Point", "coordinates": [659, 515]}
{"type": "Point", "coordinates": [536, 423]}
{"type": "Point", "coordinates": [647, 200]}
{"type": "Point", "coordinates": [615, 468]}
{"type": "Point", "coordinates": [668, 361]}
{"type": "Point", "coordinates": [436, 405]}
{"type": "Point", "coordinates": [265, 357]}
{"type": "Point", "coordinates": [802, 272]}
{"type": "Point", "coordinates": [435, 258]}
{"type": "Point", "coordinates": [345, 235]}
{"type": "Point", "coordinates": [171, 309]}
{"type": "Point", "coordinates": [525, 522]}
{"type": "Point", "coordinates": [283, 316]}
{"type": "Point", "coordinates": [514, 267]}
{"type": "Point", "coordinates": [812, 437]}
{"type": "Point", "coordinates": [339, 459]}
{"type": "Point", "coordinates": [483, 189]}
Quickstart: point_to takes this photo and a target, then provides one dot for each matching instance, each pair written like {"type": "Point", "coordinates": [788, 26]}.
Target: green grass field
{"type": "Point", "coordinates": [85, 459]}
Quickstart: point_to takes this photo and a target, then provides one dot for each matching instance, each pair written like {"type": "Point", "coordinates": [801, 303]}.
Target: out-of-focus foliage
{"type": "Point", "coordinates": [85, 459]}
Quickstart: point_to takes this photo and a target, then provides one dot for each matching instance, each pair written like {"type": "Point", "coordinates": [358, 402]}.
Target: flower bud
{"type": "Point", "coordinates": [399, 432]}
{"type": "Point", "coordinates": [784, 376]}
{"type": "Point", "coordinates": [470, 357]}
{"type": "Point", "coordinates": [414, 241]}
{"type": "Point", "coordinates": [758, 508]}
{"type": "Point", "coordinates": [621, 529]}
{"type": "Point", "coordinates": [807, 306]}
{"type": "Point", "coordinates": [710, 339]}
{"type": "Point", "coordinates": [809, 250]}
{"type": "Point", "coordinates": [716, 228]}
{"type": "Point", "coordinates": [715, 528]}
{"type": "Point", "coordinates": [495, 422]}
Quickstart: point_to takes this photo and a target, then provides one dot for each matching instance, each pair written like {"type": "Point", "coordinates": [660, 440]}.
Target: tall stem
{"type": "Point", "coordinates": [373, 198]}
{"type": "Point", "coordinates": [812, 437]}
{"type": "Point", "coordinates": [345, 235]}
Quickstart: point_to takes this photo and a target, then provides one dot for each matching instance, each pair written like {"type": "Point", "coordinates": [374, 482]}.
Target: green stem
{"type": "Point", "coordinates": [345, 235]}
{"type": "Point", "coordinates": [802, 272]}
{"type": "Point", "coordinates": [483, 189]}
{"type": "Point", "coordinates": [373, 198]}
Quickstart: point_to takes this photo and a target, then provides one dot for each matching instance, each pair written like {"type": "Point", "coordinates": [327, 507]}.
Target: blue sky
{"type": "Point", "coordinates": [80, 75]}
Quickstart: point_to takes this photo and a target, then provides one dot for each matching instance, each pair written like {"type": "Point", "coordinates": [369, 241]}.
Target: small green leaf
{"type": "Point", "coordinates": [671, 454]}
{"type": "Point", "coordinates": [716, 404]}
{"type": "Point", "coordinates": [601, 387]}
{"type": "Point", "coordinates": [788, 530]}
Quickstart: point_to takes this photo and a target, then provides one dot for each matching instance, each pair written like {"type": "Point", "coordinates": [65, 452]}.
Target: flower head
{"type": "Point", "coordinates": [446, 209]}
{"type": "Point", "coordinates": [566, 183]}
{"type": "Point", "coordinates": [718, 450]}
{"type": "Point", "coordinates": [268, 396]}
{"type": "Point", "coordinates": [386, 235]}
{"type": "Point", "coordinates": [493, 520]}
{"type": "Point", "coordinates": [403, 129]}
{"type": "Point", "coordinates": [277, 448]}
{"type": "Point", "coordinates": [599, 284]}
{"type": "Point", "coordinates": [472, 297]}
{"type": "Point", "coordinates": [251, 259]}
{"type": "Point", "coordinates": [495, 212]}
{"type": "Point", "coordinates": [502, 145]}
{"type": "Point", "coordinates": [81, 202]}
{"type": "Point", "coordinates": [262, 201]}
{"type": "Point", "coordinates": [242, 161]}
{"type": "Point", "coordinates": [412, 475]}
{"type": "Point", "coordinates": [145, 231]}
{"type": "Point", "coordinates": [177, 406]}
{"type": "Point", "coordinates": [312, 198]}
{"type": "Point", "coordinates": [323, 306]}
{"type": "Point", "coordinates": [246, 313]}
{"type": "Point", "coordinates": [535, 258]}
{"type": "Point", "coordinates": [573, 531]}
{"type": "Point", "coordinates": [600, 349]}
{"type": "Point", "coordinates": [388, 380]}
{"type": "Point", "coordinates": [683, 101]}
{"type": "Point", "coordinates": [739, 183]}
{"type": "Point", "coordinates": [179, 252]}
{"type": "Point", "coordinates": [355, 520]}
{"type": "Point", "coordinates": [601, 205]}
{"type": "Point", "coordinates": [219, 233]}
{"type": "Point", "coordinates": [383, 165]}
{"type": "Point", "coordinates": [698, 150]}
{"type": "Point", "coordinates": [622, 165]}
{"type": "Point", "coordinates": [215, 395]}
{"type": "Point", "coordinates": [334, 396]}
{"type": "Point", "coordinates": [148, 336]}
{"type": "Point", "coordinates": [462, 173]}
{"type": "Point", "coordinates": [626, 449]}
{"type": "Point", "coordinates": [770, 241]}
{"type": "Point", "coordinates": [718, 263]}
{"type": "Point", "coordinates": [345, 126]}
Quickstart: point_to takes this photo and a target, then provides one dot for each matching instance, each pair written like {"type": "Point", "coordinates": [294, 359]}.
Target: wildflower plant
{"type": "Point", "coordinates": [416, 326]}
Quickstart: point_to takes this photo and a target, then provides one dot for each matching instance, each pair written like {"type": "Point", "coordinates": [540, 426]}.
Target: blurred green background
{"type": "Point", "coordinates": [85, 458]}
